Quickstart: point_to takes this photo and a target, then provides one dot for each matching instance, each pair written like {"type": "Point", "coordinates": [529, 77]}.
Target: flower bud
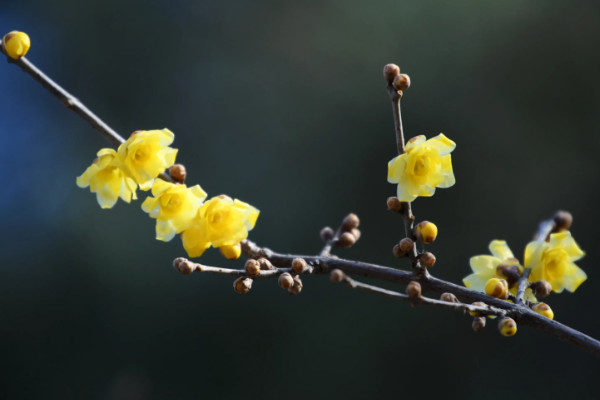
{"type": "Point", "coordinates": [478, 304]}
{"type": "Point", "coordinates": [394, 205]}
{"type": "Point", "coordinates": [184, 266]}
{"type": "Point", "coordinates": [356, 233]}
{"type": "Point", "coordinates": [507, 326]}
{"type": "Point", "coordinates": [252, 267]}
{"type": "Point", "coordinates": [285, 280]}
{"type": "Point", "coordinates": [543, 309]}
{"type": "Point", "coordinates": [449, 297]}
{"type": "Point", "coordinates": [242, 285]}
{"type": "Point", "coordinates": [510, 272]}
{"type": "Point", "coordinates": [413, 290]}
{"type": "Point", "coordinates": [562, 221]}
{"type": "Point", "coordinates": [406, 245]}
{"type": "Point", "coordinates": [427, 259]}
{"type": "Point", "coordinates": [297, 286]}
{"type": "Point", "coordinates": [478, 324]}
{"type": "Point", "coordinates": [350, 222]}
{"type": "Point", "coordinates": [401, 82]}
{"type": "Point", "coordinates": [265, 264]}
{"type": "Point", "coordinates": [345, 240]}
{"type": "Point", "coordinates": [426, 232]}
{"type": "Point", "coordinates": [16, 44]}
{"type": "Point", "coordinates": [337, 275]}
{"type": "Point", "coordinates": [497, 288]}
{"type": "Point", "coordinates": [299, 265]}
{"type": "Point", "coordinates": [231, 252]}
{"type": "Point", "coordinates": [326, 234]}
{"type": "Point", "coordinates": [397, 250]}
{"type": "Point", "coordinates": [390, 71]}
{"type": "Point", "coordinates": [541, 288]}
{"type": "Point", "coordinates": [178, 173]}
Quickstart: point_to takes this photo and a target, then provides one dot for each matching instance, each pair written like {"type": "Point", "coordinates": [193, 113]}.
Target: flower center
{"type": "Point", "coordinates": [555, 262]}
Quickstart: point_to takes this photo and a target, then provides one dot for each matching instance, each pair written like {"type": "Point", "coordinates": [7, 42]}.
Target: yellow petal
{"type": "Point", "coordinates": [449, 179]}
{"type": "Point", "coordinates": [442, 144]}
{"type": "Point", "coordinates": [475, 282]}
{"type": "Point", "coordinates": [575, 278]}
{"type": "Point", "coordinates": [485, 266]}
{"type": "Point", "coordinates": [396, 168]}
{"type": "Point", "coordinates": [414, 142]}
{"type": "Point", "coordinates": [500, 249]}
{"type": "Point", "coordinates": [164, 230]}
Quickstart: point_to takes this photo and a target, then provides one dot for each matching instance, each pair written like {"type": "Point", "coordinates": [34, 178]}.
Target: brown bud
{"type": "Point", "coordinates": [184, 265]}
{"type": "Point", "coordinates": [345, 240]}
{"type": "Point", "coordinates": [178, 173]}
{"type": "Point", "coordinates": [562, 221]}
{"type": "Point", "coordinates": [252, 267]}
{"type": "Point", "coordinates": [427, 259]}
{"type": "Point", "coordinates": [390, 71]}
{"type": "Point", "coordinates": [242, 285]}
{"type": "Point", "coordinates": [350, 222]}
{"type": "Point", "coordinates": [265, 264]}
{"type": "Point", "coordinates": [356, 233]}
{"type": "Point", "coordinates": [449, 297]}
{"type": "Point", "coordinates": [297, 286]}
{"type": "Point", "coordinates": [478, 324]}
{"type": "Point", "coordinates": [406, 245]}
{"type": "Point", "coordinates": [394, 205]}
{"type": "Point", "coordinates": [398, 251]}
{"type": "Point", "coordinates": [337, 275]}
{"type": "Point", "coordinates": [299, 265]}
{"type": "Point", "coordinates": [510, 272]}
{"type": "Point", "coordinates": [541, 288]}
{"type": "Point", "coordinates": [413, 290]}
{"type": "Point", "coordinates": [285, 280]}
{"type": "Point", "coordinates": [326, 234]}
{"type": "Point", "coordinates": [401, 82]}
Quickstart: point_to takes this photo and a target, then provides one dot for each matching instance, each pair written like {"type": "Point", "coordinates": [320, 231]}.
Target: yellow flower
{"type": "Point", "coordinates": [106, 178]}
{"type": "Point", "coordinates": [16, 44]}
{"type": "Point", "coordinates": [146, 154]}
{"type": "Point", "coordinates": [553, 262]}
{"type": "Point", "coordinates": [425, 165]}
{"type": "Point", "coordinates": [220, 222]}
{"type": "Point", "coordinates": [174, 207]}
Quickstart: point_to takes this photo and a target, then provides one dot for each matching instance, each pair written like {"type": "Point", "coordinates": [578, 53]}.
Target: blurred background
{"type": "Point", "coordinates": [283, 105]}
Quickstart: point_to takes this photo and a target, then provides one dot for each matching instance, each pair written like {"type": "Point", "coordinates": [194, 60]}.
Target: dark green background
{"type": "Point", "coordinates": [282, 104]}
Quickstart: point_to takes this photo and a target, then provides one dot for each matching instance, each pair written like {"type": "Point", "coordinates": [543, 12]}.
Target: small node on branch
{"type": "Point", "coordinates": [356, 233]}
{"type": "Point", "coordinates": [184, 266]}
{"type": "Point", "coordinates": [543, 309]}
{"type": "Point", "coordinates": [541, 288]}
{"type": "Point", "coordinates": [350, 222]}
{"type": "Point", "coordinates": [413, 290]}
{"type": "Point", "coordinates": [346, 240]}
{"type": "Point", "coordinates": [327, 234]}
{"type": "Point", "coordinates": [426, 232]}
{"type": "Point", "coordinates": [265, 264]}
{"type": "Point", "coordinates": [406, 245]}
{"type": "Point", "coordinates": [478, 324]}
{"type": "Point", "coordinates": [497, 288]}
{"type": "Point", "coordinates": [449, 297]}
{"type": "Point", "coordinates": [402, 82]}
{"type": "Point", "coordinates": [390, 71]}
{"type": "Point", "coordinates": [337, 275]}
{"type": "Point", "coordinates": [478, 304]}
{"type": "Point", "coordinates": [242, 285]}
{"type": "Point", "coordinates": [507, 326]}
{"type": "Point", "coordinates": [297, 286]}
{"type": "Point", "coordinates": [299, 265]}
{"type": "Point", "coordinates": [394, 205]}
{"type": "Point", "coordinates": [178, 173]}
{"type": "Point", "coordinates": [252, 267]}
{"type": "Point", "coordinates": [427, 259]}
{"type": "Point", "coordinates": [285, 281]}
{"type": "Point", "coordinates": [562, 221]}
{"type": "Point", "coordinates": [510, 272]}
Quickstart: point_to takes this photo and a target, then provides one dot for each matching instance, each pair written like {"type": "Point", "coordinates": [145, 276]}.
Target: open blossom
{"type": "Point", "coordinates": [174, 207]}
{"type": "Point", "coordinates": [424, 165]}
{"type": "Point", "coordinates": [146, 154]}
{"type": "Point", "coordinates": [106, 178]}
{"type": "Point", "coordinates": [221, 222]}
{"type": "Point", "coordinates": [553, 262]}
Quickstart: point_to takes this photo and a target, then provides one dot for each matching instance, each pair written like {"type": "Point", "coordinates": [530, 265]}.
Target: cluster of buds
{"type": "Point", "coordinates": [346, 236]}
{"type": "Point", "coordinates": [424, 232]}
{"type": "Point", "coordinates": [293, 284]}
{"type": "Point", "coordinates": [396, 80]}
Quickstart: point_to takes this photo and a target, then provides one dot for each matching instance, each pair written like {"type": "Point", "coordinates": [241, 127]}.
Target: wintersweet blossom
{"type": "Point", "coordinates": [424, 165]}
{"type": "Point", "coordinates": [106, 178]}
{"type": "Point", "coordinates": [174, 207]}
{"type": "Point", "coordinates": [553, 262]}
{"type": "Point", "coordinates": [221, 222]}
{"type": "Point", "coordinates": [146, 154]}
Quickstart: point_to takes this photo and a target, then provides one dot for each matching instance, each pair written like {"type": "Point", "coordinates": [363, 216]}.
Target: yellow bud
{"type": "Point", "coordinates": [507, 327]}
{"type": "Point", "coordinates": [426, 232]}
{"type": "Point", "coordinates": [231, 252]}
{"type": "Point", "coordinates": [497, 288]}
{"type": "Point", "coordinates": [544, 309]}
{"type": "Point", "coordinates": [252, 267]}
{"type": "Point", "coordinates": [16, 44]}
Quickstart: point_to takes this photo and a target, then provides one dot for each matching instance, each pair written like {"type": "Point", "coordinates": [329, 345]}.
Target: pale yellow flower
{"type": "Point", "coordinates": [106, 178]}
{"type": "Point", "coordinates": [174, 207]}
{"type": "Point", "coordinates": [424, 165]}
{"type": "Point", "coordinates": [553, 262]}
{"type": "Point", "coordinates": [146, 154]}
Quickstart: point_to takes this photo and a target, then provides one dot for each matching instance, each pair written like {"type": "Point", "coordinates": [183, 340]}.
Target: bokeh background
{"type": "Point", "coordinates": [282, 104]}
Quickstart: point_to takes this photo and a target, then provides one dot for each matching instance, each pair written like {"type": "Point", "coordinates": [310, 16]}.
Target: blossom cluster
{"type": "Point", "coordinates": [219, 222]}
